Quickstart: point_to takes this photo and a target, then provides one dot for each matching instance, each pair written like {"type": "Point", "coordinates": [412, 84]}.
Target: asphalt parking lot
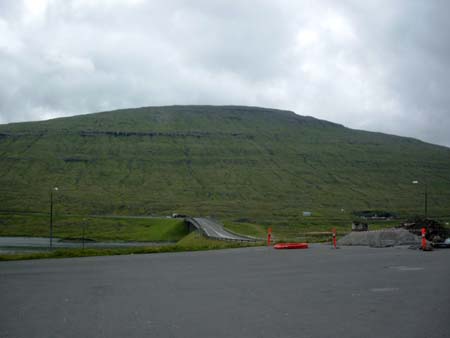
{"type": "Point", "coordinates": [254, 292]}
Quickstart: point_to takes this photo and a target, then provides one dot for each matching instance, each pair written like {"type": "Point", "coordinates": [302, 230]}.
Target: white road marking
{"type": "Point", "coordinates": [384, 289]}
{"type": "Point", "coordinates": [407, 268]}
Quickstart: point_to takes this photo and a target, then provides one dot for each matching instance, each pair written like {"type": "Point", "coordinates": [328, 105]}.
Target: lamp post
{"type": "Point", "coordinates": [51, 216]}
{"type": "Point", "coordinates": [84, 230]}
{"type": "Point", "coordinates": [426, 197]}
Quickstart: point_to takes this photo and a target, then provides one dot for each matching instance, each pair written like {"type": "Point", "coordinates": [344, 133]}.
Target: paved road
{"type": "Point", "coordinates": [253, 292]}
{"type": "Point", "coordinates": [213, 229]}
{"type": "Point", "coordinates": [24, 244]}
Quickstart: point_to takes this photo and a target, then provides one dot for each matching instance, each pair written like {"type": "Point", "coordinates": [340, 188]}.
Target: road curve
{"type": "Point", "coordinates": [213, 229]}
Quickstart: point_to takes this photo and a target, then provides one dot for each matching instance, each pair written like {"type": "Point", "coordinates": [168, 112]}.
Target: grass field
{"type": "Point", "coordinates": [315, 229]}
{"type": "Point", "coordinates": [191, 242]}
{"type": "Point", "coordinates": [165, 229]}
{"type": "Point", "coordinates": [161, 229]}
{"type": "Point", "coordinates": [252, 168]}
{"type": "Point", "coordinates": [234, 163]}
{"type": "Point", "coordinates": [95, 228]}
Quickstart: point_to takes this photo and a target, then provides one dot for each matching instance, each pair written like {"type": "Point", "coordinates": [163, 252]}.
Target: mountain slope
{"type": "Point", "coordinates": [228, 161]}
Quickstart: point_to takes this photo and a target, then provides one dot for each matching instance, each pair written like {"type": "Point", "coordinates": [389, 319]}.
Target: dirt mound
{"type": "Point", "coordinates": [380, 238]}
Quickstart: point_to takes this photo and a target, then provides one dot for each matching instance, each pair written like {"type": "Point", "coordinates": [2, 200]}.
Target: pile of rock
{"type": "Point", "coordinates": [380, 238]}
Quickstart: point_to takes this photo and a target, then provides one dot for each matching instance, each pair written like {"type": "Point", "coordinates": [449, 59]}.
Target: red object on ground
{"type": "Point", "coordinates": [424, 241]}
{"type": "Point", "coordinates": [334, 237]}
{"type": "Point", "coordinates": [291, 246]}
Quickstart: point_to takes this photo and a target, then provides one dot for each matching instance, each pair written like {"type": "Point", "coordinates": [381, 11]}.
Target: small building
{"type": "Point", "coordinates": [360, 226]}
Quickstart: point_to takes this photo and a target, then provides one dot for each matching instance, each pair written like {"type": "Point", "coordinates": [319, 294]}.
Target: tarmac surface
{"type": "Point", "coordinates": [34, 244]}
{"type": "Point", "coordinates": [251, 292]}
{"type": "Point", "coordinates": [212, 229]}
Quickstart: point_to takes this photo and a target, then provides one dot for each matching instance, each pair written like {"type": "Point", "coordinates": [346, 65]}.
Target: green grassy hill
{"type": "Point", "coordinates": [232, 162]}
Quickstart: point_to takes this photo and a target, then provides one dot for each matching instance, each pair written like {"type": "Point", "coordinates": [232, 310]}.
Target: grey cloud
{"type": "Point", "coordinates": [412, 43]}
{"type": "Point", "coordinates": [377, 65]}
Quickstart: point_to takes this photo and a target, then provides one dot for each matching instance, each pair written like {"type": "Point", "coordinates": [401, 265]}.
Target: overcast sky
{"type": "Point", "coordinates": [373, 65]}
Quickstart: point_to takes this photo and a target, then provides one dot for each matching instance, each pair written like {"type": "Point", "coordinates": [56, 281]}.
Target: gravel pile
{"type": "Point", "coordinates": [380, 238]}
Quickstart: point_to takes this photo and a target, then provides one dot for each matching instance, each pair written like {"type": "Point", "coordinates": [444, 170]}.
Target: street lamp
{"type": "Point", "coordinates": [426, 197]}
{"type": "Point", "coordinates": [51, 216]}
{"type": "Point", "coordinates": [84, 230]}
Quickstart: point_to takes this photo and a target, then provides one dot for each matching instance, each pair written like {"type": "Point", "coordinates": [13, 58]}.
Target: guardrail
{"type": "Point", "coordinates": [193, 223]}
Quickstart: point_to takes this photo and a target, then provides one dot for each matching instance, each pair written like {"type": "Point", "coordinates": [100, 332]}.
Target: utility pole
{"type": "Point", "coordinates": [51, 219]}
{"type": "Point", "coordinates": [51, 216]}
{"type": "Point", "coordinates": [425, 197]}
{"type": "Point", "coordinates": [84, 229]}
